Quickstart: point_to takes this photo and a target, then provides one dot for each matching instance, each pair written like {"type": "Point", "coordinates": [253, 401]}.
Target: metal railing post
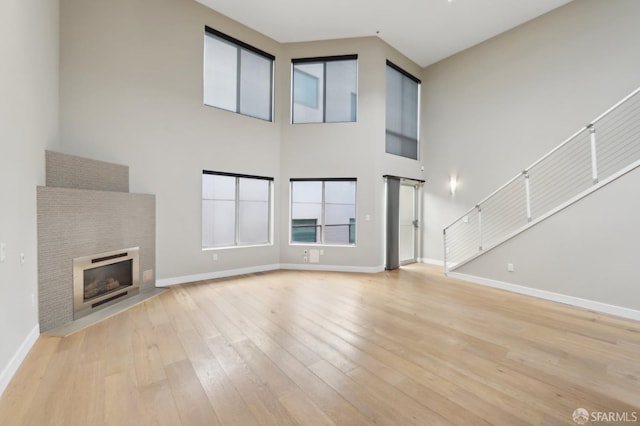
{"type": "Point", "coordinates": [479, 227]}
{"type": "Point", "coordinates": [444, 238]}
{"type": "Point", "coordinates": [594, 158]}
{"type": "Point", "coordinates": [527, 190]}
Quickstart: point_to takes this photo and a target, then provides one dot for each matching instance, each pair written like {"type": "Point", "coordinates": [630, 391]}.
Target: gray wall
{"type": "Point", "coordinates": [344, 149]}
{"type": "Point", "coordinates": [28, 125]}
{"type": "Point", "coordinates": [131, 93]}
{"type": "Point", "coordinates": [75, 223]}
{"type": "Point", "coordinates": [494, 109]}
{"type": "Point", "coordinates": [589, 250]}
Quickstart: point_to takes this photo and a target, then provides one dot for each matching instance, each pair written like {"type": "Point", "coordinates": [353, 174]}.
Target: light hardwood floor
{"type": "Point", "coordinates": [283, 348]}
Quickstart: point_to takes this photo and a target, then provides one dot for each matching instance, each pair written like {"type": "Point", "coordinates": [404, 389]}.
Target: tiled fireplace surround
{"type": "Point", "coordinates": [84, 209]}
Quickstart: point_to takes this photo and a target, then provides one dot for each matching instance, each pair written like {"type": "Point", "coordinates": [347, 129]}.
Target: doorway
{"type": "Point", "coordinates": [408, 223]}
{"type": "Point", "coordinates": [402, 224]}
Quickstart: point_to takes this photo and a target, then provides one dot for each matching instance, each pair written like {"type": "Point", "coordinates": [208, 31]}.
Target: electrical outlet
{"type": "Point", "coordinates": [214, 256]}
{"type": "Point", "coordinates": [305, 259]}
{"type": "Point", "coordinates": [3, 252]}
{"type": "Point", "coordinates": [321, 252]}
{"type": "Point", "coordinates": [510, 267]}
{"type": "Point", "coordinates": [22, 259]}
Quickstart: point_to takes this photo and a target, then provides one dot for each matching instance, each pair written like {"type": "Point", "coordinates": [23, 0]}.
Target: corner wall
{"type": "Point", "coordinates": [28, 126]}
{"type": "Point", "coordinates": [131, 93]}
{"type": "Point", "coordinates": [354, 149]}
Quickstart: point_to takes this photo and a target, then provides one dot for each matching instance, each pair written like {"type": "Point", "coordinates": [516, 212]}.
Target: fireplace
{"type": "Point", "coordinates": [103, 278]}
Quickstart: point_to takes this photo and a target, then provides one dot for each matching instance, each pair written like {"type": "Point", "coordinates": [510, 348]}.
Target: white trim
{"type": "Point", "coordinates": [332, 268]}
{"type": "Point", "coordinates": [618, 311]}
{"type": "Point", "coordinates": [167, 282]}
{"type": "Point", "coordinates": [10, 369]}
{"type": "Point", "coordinates": [431, 261]}
{"type": "Point", "coordinates": [204, 249]}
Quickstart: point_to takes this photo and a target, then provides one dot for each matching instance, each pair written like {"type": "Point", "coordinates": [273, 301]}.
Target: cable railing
{"type": "Point", "coordinates": [599, 152]}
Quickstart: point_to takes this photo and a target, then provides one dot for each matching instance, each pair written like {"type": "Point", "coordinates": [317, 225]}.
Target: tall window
{"type": "Point", "coordinates": [325, 90]}
{"type": "Point", "coordinates": [403, 94]}
{"type": "Point", "coordinates": [236, 210]}
{"type": "Point", "coordinates": [323, 211]}
{"type": "Point", "coordinates": [237, 77]}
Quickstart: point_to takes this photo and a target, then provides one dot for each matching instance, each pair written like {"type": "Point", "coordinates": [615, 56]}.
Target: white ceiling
{"type": "Point", "coordinates": [426, 31]}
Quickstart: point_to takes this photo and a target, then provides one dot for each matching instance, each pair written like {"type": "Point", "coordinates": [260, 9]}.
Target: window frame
{"type": "Point", "coordinates": [400, 135]}
{"type": "Point", "coordinates": [320, 227]}
{"type": "Point", "coordinates": [237, 200]}
{"type": "Point", "coordinates": [322, 60]}
{"type": "Point", "coordinates": [240, 46]}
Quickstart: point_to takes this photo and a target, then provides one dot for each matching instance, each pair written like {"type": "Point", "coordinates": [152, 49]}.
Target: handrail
{"type": "Point", "coordinates": [559, 173]}
{"type": "Point", "coordinates": [623, 100]}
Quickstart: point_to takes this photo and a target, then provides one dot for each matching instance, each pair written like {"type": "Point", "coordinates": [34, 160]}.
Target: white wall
{"type": "Point", "coordinates": [356, 149]}
{"type": "Point", "coordinates": [28, 126]}
{"type": "Point", "coordinates": [587, 251]}
{"type": "Point", "coordinates": [132, 93]}
{"type": "Point", "coordinates": [492, 110]}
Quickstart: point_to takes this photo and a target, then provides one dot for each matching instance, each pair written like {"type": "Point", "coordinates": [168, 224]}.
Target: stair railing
{"type": "Point", "coordinates": [601, 151]}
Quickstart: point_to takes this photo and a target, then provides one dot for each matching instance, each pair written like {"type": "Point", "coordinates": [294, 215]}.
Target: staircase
{"type": "Point", "coordinates": [602, 151]}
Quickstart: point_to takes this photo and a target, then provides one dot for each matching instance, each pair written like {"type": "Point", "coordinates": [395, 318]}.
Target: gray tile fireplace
{"type": "Point", "coordinates": [87, 214]}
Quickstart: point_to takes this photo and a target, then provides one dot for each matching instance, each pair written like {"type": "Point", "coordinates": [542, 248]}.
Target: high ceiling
{"type": "Point", "coordinates": [424, 30]}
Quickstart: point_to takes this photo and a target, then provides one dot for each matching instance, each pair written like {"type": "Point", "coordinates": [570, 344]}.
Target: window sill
{"type": "Point", "coordinates": [323, 245]}
{"type": "Point", "coordinates": [236, 247]}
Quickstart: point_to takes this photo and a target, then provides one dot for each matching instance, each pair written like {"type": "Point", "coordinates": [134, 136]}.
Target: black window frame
{"type": "Point", "coordinates": [322, 60]}
{"type": "Point", "coordinates": [241, 45]}
{"type": "Point", "coordinates": [400, 135]}
{"type": "Point", "coordinates": [320, 227]}
{"type": "Point", "coordinates": [271, 219]}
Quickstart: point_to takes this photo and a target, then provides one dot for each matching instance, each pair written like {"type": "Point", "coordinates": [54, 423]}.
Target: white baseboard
{"type": "Point", "coordinates": [166, 282]}
{"type": "Point", "coordinates": [618, 311]}
{"type": "Point", "coordinates": [332, 268]}
{"type": "Point", "coordinates": [428, 261]}
{"type": "Point", "coordinates": [10, 370]}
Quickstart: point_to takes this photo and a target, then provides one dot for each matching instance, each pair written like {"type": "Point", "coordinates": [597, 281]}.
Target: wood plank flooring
{"type": "Point", "coordinates": [407, 347]}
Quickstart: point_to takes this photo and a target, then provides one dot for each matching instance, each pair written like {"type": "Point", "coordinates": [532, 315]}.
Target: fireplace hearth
{"type": "Point", "coordinates": [102, 278]}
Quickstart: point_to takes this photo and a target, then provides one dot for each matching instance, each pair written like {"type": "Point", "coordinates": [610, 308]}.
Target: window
{"type": "Point", "coordinates": [323, 211]}
{"type": "Point", "coordinates": [236, 210]}
{"type": "Point", "coordinates": [325, 90]}
{"type": "Point", "coordinates": [403, 94]}
{"type": "Point", "coordinates": [237, 77]}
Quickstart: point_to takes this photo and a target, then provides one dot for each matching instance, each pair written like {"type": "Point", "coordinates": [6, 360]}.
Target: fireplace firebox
{"type": "Point", "coordinates": [102, 278]}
